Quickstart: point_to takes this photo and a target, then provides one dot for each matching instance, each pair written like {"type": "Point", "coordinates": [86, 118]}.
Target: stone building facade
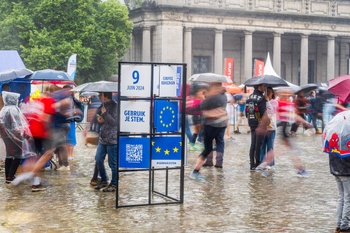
{"type": "Point", "coordinates": [308, 40]}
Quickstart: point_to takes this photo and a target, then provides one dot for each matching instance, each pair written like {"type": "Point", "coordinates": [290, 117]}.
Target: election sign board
{"type": "Point", "coordinates": [135, 116]}
{"type": "Point", "coordinates": [166, 151]}
{"type": "Point", "coordinates": [167, 80]}
{"type": "Point", "coordinates": [134, 152]}
{"type": "Point", "coordinates": [135, 80]}
{"type": "Point", "coordinates": [166, 116]}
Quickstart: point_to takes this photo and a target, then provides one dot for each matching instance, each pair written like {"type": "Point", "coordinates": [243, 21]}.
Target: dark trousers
{"type": "Point", "coordinates": [255, 148]}
{"type": "Point", "coordinates": [295, 125]}
{"type": "Point", "coordinates": [211, 133]}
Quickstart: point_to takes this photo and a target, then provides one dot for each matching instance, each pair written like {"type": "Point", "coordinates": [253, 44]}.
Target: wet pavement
{"type": "Point", "coordinates": [232, 199]}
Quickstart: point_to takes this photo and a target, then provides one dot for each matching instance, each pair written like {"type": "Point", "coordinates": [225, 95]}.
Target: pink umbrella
{"type": "Point", "coordinates": [340, 86]}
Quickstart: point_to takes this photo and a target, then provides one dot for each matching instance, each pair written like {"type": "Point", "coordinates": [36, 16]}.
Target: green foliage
{"type": "Point", "coordinates": [47, 32]}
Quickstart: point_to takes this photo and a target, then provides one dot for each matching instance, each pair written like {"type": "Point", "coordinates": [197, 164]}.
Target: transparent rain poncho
{"type": "Point", "coordinates": [14, 126]}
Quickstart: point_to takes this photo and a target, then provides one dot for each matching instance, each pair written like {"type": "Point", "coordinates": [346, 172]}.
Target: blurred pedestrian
{"type": "Point", "coordinates": [255, 110]}
{"type": "Point", "coordinates": [197, 95]}
{"type": "Point", "coordinates": [271, 111]}
{"type": "Point", "coordinates": [14, 130]}
{"type": "Point", "coordinates": [317, 112]}
{"type": "Point", "coordinates": [301, 106]}
{"type": "Point", "coordinates": [239, 105]}
{"type": "Point", "coordinates": [285, 114]}
{"type": "Point", "coordinates": [107, 117]}
{"type": "Point", "coordinates": [215, 120]}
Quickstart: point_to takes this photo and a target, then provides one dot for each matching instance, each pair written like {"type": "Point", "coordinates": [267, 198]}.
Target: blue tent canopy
{"type": "Point", "coordinates": [10, 59]}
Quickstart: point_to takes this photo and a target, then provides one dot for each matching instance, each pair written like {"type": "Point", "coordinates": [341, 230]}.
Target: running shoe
{"type": "Point", "coordinates": [197, 176]}
{"type": "Point", "coordinates": [110, 188]}
{"type": "Point", "coordinates": [303, 173]}
{"type": "Point", "coordinates": [102, 185]}
{"type": "Point", "coordinates": [37, 188]}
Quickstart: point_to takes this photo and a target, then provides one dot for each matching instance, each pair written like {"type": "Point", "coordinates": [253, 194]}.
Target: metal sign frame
{"type": "Point", "coordinates": [149, 93]}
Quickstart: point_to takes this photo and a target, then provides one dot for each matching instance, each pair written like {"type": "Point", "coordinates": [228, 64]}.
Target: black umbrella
{"type": "Point", "coordinates": [306, 88]}
{"type": "Point", "coordinates": [268, 80]}
{"type": "Point", "coordinates": [49, 75]}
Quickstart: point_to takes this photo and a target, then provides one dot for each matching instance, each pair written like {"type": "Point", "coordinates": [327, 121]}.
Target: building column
{"type": "Point", "coordinates": [188, 50]}
{"type": "Point", "coordinates": [319, 60]}
{"type": "Point", "coordinates": [304, 59]}
{"type": "Point", "coordinates": [146, 44]}
{"type": "Point", "coordinates": [344, 57]}
{"type": "Point", "coordinates": [248, 54]}
{"type": "Point", "coordinates": [218, 68]}
{"type": "Point", "coordinates": [330, 57]}
{"type": "Point", "coordinates": [277, 52]}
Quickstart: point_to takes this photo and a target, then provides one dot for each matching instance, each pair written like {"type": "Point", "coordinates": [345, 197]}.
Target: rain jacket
{"type": "Point", "coordinates": [108, 130]}
{"type": "Point", "coordinates": [13, 125]}
{"type": "Point", "coordinates": [339, 166]}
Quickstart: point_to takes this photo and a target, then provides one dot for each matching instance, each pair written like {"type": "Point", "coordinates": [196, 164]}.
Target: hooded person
{"type": "Point", "coordinates": [14, 130]}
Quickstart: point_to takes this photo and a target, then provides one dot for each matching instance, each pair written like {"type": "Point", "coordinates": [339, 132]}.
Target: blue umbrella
{"type": "Point", "coordinates": [49, 75]}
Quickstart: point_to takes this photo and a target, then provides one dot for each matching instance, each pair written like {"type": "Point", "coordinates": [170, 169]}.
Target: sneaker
{"type": "Point", "coordinates": [196, 176]}
{"type": "Point", "coordinates": [218, 166]}
{"type": "Point", "coordinates": [63, 168]}
{"type": "Point", "coordinates": [237, 132]}
{"type": "Point", "coordinates": [102, 185]}
{"type": "Point", "coordinates": [252, 169]}
{"type": "Point", "coordinates": [264, 172]}
{"type": "Point", "coordinates": [37, 188]}
{"type": "Point", "coordinates": [208, 164]}
{"type": "Point", "coordinates": [95, 182]}
{"type": "Point", "coordinates": [110, 188]}
{"type": "Point", "coordinates": [194, 148]}
{"type": "Point", "coordinates": [303, 173]}
{"type": "Point", "coordinates": [259, 168]}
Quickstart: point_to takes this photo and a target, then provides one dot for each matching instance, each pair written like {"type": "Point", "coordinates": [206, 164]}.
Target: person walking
{"type": "Point", "coordinates": [271, 111]}
{"type": "Point", "coordinates": [14, 129]}
{"type": "Point", "coordinates": [215, 121]}
{"type": "Point", "coordinates": [255, 110]}
{"type": "Point", "coordinates": [107, 117]}
{"type": "Point", "coordinates": [301, 106]}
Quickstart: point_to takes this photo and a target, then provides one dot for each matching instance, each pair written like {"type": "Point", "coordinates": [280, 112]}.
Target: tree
{"type": "Point", "coordinates": [47, 32]}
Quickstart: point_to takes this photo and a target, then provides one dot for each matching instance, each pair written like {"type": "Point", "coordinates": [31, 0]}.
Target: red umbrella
{"type": "Point", "coordinates": [340, 86]}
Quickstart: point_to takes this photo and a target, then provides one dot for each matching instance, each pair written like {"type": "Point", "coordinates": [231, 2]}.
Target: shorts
{"type": "Point", "coordinates": [197, 119]}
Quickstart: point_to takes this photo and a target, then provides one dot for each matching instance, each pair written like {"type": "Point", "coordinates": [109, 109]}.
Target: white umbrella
{"type": "Point", "coordinates": [100, 86]}
{"type": "Point", "coordinates": [210, 77]}
{"type": "Point", "coordinates": [89, 93]}
{"type": "Point", "coordinates": [11, 74]}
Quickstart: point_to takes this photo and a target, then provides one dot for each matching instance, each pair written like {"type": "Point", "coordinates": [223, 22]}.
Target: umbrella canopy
{"type": "Point", "coordinates": [340, 86]}
{"type": "Point", "coordinates": [306, 88]}
{"type": "Point", "coordinates": [268, 80]}
{"type": "Point", "coordinates": [336, 136]}
{"type": "Point", "coordinates": [210, 77]}
{"type": "Point", "coordinates": [89, 93]}
{"type": "Point", "coordinates": [100, 86]}
{"type": "Point", "coordinates": [49, 75]}
{"type": "Point", "coordinates": [11, 74]}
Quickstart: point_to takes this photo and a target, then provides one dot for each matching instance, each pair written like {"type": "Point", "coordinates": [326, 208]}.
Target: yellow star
{"type": "Point", "coordinates": [175, 149]}
{"type": "Point", "coordinates": [166, 152]}
{"type": "Point", "coordinates": [152, 143]}
{"type": "Point", "coordinates": [158, 149]}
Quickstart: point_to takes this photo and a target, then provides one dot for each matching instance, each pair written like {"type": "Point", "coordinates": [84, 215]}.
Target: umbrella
{"type": "Point", "coordinates": [336, 136]}
{"type": "Point", "coordinates": [89, 93]}
{"type": "Point", "coordinates": [268, 80]}
{"type": "Point", "coordinates": [100, 86]}
{"type": "Point", "coordinates": [49, 75]}
{"type": "Point", "coordinates": [210, 77]}
{"type": "Point", "coordinates": [11, 74]}
{"type": "Point", "coordinates": [340, 86]}
{"type": "Point", "coordinates": [233, 89]}
{"type": "Point", "coordinates": [306, 88]}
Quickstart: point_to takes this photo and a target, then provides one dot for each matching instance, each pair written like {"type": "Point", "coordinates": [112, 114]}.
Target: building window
{"type": "Point", "coordinates": [201, 64]}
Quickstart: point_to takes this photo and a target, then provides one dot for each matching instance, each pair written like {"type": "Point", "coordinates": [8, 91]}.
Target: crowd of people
{"type": "Point", "coordinates": [262, 111]}
{"type": "Point", "coordinates": [41, 128]}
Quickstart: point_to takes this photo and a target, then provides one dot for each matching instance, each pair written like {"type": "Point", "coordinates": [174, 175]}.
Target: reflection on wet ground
{"type": "Point", "coordinates": [232, 199]}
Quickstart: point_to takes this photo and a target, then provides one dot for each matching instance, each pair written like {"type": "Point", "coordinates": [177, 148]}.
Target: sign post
{"type": "Point", "coordinates": [150, 136]}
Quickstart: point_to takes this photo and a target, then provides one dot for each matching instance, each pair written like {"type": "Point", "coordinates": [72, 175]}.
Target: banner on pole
{"type": "Point", "coordinates": [229, 69]}
{"type": "Point", "coordinates": [258, 67]}
{"type": "Point", "coordinates": [72, 66]}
